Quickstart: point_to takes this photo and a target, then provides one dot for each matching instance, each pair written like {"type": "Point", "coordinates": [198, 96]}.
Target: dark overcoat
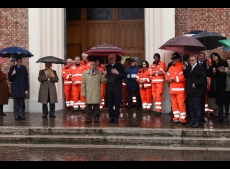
{"type": "Point", "coordinates": [117, 82]}
{"type": "Point", "coordinates": [19, 81]}
{"type": "Point", "coordinates": [47, 87]}
{"type": "Point", "coordinates": [220, 78]}
{"type": "Point", "coordinates": [198, 77]}
{"type": "Point", "coordinates": [4, 89]}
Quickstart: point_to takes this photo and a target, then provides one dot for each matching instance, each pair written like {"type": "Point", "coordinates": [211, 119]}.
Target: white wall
{"type": "Point", "coordinates": [46, 37]}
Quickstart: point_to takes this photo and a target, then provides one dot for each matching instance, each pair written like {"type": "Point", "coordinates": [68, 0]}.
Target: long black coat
{"type": "Point", "coordinates": [19, 81]}
{"type": "Point", "coordinates": [198, 77]}
{"type": "Point", "coordinates": [220, 82]}
{"type": "Point", "coordinates": [117, 82]}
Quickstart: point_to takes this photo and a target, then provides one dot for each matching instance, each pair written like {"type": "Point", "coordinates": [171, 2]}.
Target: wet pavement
{"type": "Point", "coordinates": [131, 118]}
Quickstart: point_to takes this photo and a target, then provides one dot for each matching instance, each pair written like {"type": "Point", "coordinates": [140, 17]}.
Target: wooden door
{"type": "Point", "coordinates": [127, 34]}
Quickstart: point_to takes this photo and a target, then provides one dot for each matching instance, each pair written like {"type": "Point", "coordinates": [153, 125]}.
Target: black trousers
{"type": "Point", "coordinates": [195, 108]}
{"type": "Point", "coordinates": [45, 107]}
{"type": "Point", "coordinates": [18, 106]}
{"type": "Point", "coordinates": [138, 98]}
{"type": "Point", "coordinates": [111, 94]}
{"type": "Point", "coordinates": [92, 112]}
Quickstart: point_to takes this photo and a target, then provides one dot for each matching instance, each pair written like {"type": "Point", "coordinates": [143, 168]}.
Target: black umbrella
{"type": "Point", "coordinates": [14, 52]}
{"type": "Point", "coordinates": [51, 59]}
{"type": "Point", "coordinates": [210, 40]}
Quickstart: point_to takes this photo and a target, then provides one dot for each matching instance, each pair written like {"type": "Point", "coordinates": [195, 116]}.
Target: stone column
{"type": "Point", "coordinates": [46, 38]}
{"type": "Point", "coordinates": [159, 28]}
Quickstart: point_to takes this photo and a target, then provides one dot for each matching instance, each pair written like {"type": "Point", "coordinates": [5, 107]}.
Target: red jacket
{"type": "Point", "coordinates": [76, 73]}
{"type": "Point", "coordinates": [146, 75]}
{"type": "Point", "coordinates": [177, 86]}
{"type": "Point", "coordinates": [161, 68]}
{"type": "Point", "coordinates": [66, 73]}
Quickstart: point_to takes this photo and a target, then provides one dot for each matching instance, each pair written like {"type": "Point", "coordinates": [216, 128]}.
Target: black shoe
{"type": "Point", "coordinates": [96, 121]}
{"type": "Point", "coordinates": [88, 121]}
{"type": "Point", "coordinates": [52, 116]}
{"type": "Point", "coordinates": [16, 118]}
{"type": "Point", "coordinates": [190, 124]}
{"type": "Point", "coordinates": [115, 121]}
{"type": "Point", "coordinates": [128, 108]}
{"type": "Point", "coordinates": [22, 118]}
{"type": "Point", "coordinates": [203, 120]}
{"type": "Point", "coordinates": [44, 116]}
{"type": "Point", "coordinates": [2, 114]}
{"type": "Point", "coordinates": [225, 120]}
{"type": "Point", "coordinates": [111, 120]}
{"type": "Point", "coordinates": [195, 125]}
{"type": "Point", "coordinates": [170, 113]}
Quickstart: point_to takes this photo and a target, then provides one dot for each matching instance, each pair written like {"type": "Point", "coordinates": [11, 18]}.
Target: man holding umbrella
{"type": "Point", "coordinates": [18, 76]}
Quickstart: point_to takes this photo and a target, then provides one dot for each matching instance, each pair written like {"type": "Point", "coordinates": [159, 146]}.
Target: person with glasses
{"type": "Point", "coordinates": [195, 78]}
{"type": "Point", "coordinates": [143, 77]}
{"type": "Point", "coordinates": [114, 72]}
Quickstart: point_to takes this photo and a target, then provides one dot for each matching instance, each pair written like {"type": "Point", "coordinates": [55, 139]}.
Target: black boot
{"type": "Point", "coordinates": [225, 120]}
{"type": "Point", "coordinates": [1, 110]}
{"type": "Point", "coordinates": [220, 113]}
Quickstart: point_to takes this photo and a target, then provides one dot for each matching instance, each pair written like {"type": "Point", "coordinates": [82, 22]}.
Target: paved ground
{"type": "Point", "coordinates": [81, 153]}
{"type": "Point", "coordinates": [131, 118]}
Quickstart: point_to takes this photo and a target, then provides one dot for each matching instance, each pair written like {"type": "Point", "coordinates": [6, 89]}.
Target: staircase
{"type": "Point", "coordinates": [116, 136]}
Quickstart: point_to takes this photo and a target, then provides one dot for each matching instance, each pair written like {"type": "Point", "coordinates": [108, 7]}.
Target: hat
{"type": "Point", "coordinates": [175, 55]}
{"type": "Point", "coordinates": [156, 54]}
{"type": "Point", "coordinates": [132, 60]}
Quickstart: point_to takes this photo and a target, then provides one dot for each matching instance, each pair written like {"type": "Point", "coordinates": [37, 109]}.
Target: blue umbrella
{"type": "Point", "coordinates": [14, 52]}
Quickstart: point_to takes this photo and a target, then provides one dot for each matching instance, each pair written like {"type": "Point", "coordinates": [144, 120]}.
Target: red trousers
{"type": "Point", "coordinates": [157, 91]}
{"type": "Point", "coordinates": [78, 99]}
{"type": "Point", "coordinates": [146, 98]}
{"type": "Point", "coordinates": [178, 107]}
{"type": "Point", "coordinates": [68, 93]}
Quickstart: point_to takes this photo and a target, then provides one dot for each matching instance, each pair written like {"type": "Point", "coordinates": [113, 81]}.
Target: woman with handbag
{"type": "Point", "coordinates": [4, 90]}
{"type": "Point", "coordinates": [219, 75]}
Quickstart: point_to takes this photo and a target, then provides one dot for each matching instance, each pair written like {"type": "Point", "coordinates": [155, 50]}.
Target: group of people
{"type": "Point", "coordinates": [19, 88]}
{"type": "Point", "coordinates": [90, 85]}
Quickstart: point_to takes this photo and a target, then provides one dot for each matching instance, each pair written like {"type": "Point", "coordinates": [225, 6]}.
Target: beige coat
{"type": "Point", "coordinates": [90, 86]}
{"type": "Point", "coordinates": [47, 86]}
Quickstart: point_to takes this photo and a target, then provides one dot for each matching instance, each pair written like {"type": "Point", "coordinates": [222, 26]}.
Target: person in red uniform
{"type": "Point", "coordinates": [66, 72]}
{"type": "Point", "coordinates": [175, 77]}
{"type": "Point", "coordinates": [158, 69]}
{"type": "Point", "coordinates": [84, 60]}
{"type": "Point", "coordinates": [76, 76]}
{"type": "Point", "coordinates": [143, 77]}
{"type": "Point", "coordinates": [101, 67]}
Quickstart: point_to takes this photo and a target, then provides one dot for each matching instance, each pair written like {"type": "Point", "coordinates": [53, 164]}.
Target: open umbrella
{"type": "Point", "coordinates": [2, 60]}
{"type": "Point", "coordinates": [183, 44]}
{"type": "Point", "coordinates": [193, 32]}
{"type": "Point", "coordinates": [51, 59]}
{"type": "Point", "coordinates": [225, 43]}
{"type": "Point", "coordinates": [15, 51]}
{"type": "Point", "coordinates": [105, 50]}
{"type": "Point", "coordinates": [210, 40]}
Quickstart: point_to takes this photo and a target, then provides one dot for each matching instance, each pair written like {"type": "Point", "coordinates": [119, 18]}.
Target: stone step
{"type": "Point", "coordinates": [115, 140]}
{"type": "Point", "coordinates": [148, 132]}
